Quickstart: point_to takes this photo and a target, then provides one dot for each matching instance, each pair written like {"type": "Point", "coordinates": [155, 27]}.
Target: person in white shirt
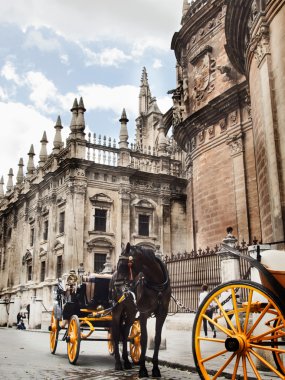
{"type": "Point", "coordinates": [227, 303]}
{"type": "Point", "coordinates": [209, 311]}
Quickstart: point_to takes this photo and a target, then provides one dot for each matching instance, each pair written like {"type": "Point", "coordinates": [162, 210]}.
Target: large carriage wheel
{"type": "Point", "coordinates": [248, 336]}
{"type": "Point", "coordinates": [110, 343]}
{"type": "Point", "coordinates": [73, 339]}
{"type": "Point", "coordinates": [279, 357]}
{"type": "Point", "coordinates": [135, 342]}
{"type": "Point", "coordinates": [53, 333]}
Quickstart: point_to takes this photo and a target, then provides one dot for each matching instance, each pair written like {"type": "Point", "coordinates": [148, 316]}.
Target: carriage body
{"type": "Point", "coordinates": [249, 319]}
{"type": "Point", "coordinates": [81, 309]}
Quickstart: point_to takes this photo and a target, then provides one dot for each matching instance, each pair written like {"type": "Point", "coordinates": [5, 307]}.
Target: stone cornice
{"type": "Point", "coordinates": [214, 112]}
{"type": "Point", "coordinates": [193, 23]}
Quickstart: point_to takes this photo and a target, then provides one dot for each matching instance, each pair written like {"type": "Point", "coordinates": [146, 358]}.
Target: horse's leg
{"type": "Point", "coordinates": [116, 339]}
{"type": "Point", "coordinates": [160, 318]}
{"type": "Point", "coordinates": [143, 322]}
{"type": "Point", "coordinates": [125, 333]}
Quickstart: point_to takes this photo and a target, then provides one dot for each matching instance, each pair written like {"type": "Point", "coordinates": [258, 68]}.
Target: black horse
{"type": "Point", "coordinates": [149, 280]}
{"type": "Point", "coordinates": [123, 313]}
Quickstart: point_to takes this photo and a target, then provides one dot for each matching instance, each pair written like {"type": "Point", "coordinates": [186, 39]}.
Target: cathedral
{"type": "Point", "coordinates": [215, 159]}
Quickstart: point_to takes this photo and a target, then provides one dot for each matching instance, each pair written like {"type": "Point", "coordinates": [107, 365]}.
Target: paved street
{"type": "Point", "coordinates": [25, 355]}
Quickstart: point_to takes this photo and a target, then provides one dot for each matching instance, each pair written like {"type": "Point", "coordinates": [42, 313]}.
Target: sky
{"type": "Point", "coordinates": [54, 51]}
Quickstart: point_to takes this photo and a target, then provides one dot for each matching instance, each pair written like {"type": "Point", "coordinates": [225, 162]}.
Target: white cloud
{"type": "Point", "coordinates": [8, 71]}
{"type": "Point", "coordinates": [36, 39]}
{"type": "Point", "coordinates": [43, 91]}
{"type": "Point", "coordinates": [107, 57]}
{"type": "Point", "coordinates": [87, 20]}
{"type": "Point", "coordinates": [64, 58]}
{"type": "Point", "coordinates": [157, 64]}
{"type": "Point", "coordinates": [21, 127]}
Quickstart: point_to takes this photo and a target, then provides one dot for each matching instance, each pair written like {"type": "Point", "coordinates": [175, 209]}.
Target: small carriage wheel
{"type": "Point", "coordinates": [279, 357]}
{"type": "Point", "coordinates": [246, 335]}
{"type": "Point", "coordinates": [73, 339]}
{"type": "Point", "coordinates": [135, 342]}
{"type": "Point", "coordinates": [110, 342]}
{"type": "Point", "coordinates": [53, 333]}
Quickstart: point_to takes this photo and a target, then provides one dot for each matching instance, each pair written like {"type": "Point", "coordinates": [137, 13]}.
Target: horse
{"type": "Point", "coordinates": [123, 315]}
{"type": "Point", "coordinates": [149, 280]}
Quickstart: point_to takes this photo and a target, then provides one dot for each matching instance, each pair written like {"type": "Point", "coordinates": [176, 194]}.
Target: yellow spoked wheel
{"type": "Point", "coordinates": [110, 343]}
{"type": "Point", "coordinates": [53, 333]}
{"type": "Point", "coordinates": [135, 342]}
{"type": "Point", "coordinates": [279, 339]}
{"type": "Point", "coordinates": [73, 339]}
{"type": "Point", "coordinates": [249, 326]}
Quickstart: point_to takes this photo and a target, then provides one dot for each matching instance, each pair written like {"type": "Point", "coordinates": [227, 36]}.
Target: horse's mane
{"type": "Point", "coordinates": [147, 252]}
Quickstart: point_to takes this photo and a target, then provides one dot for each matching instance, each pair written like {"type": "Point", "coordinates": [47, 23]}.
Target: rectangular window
{"type": "Point", "coordinates": [45, 233]}
{"type": "Point", "coordinates": [100, 220]}
{"type": "Point", "coordinates": [143, 225]}
{"type": "Point", "coordinates": [61, 222]}
{"type": "Point", "coordinates": [29, 269]}
{"type": "Point", "coordinates": [99, 261]}
{"type": "Point", "coordinates": [59, 266]}
{"type": "Point", "coordinates": [32, 235]}
{"type": "Point", "coordinates": [43, 270]}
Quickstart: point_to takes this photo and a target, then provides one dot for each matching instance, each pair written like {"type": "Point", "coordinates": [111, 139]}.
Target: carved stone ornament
{"type": "Point", "coordinates": [223, 125]}
{"type": "Point", "coordinates": [201, 136]}
{"type": "Point", "coordinates": [203, 78]}
{"type": "Point", "coordinates": [236, 144]}
{"type": "Point", "coordinates": [233, 117]}
{"type": "Point", "coordinates": [260, 44]}
{"type": "Point", "coordinates": [211, 131]}
{"type": "Point", "coordinates": [193, 143]}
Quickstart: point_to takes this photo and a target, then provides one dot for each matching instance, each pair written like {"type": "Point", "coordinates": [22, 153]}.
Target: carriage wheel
{"type": "Point", "coordinates": [135, 342]}
{"type": "Point", "coordinates": [53, 333]}
{"type": "Point", "coordinates": [110, 343]}
{"type": "Point", "coordinates": [279, 357]}
{"type": "Point", "coordinates": [248, 335]}
{"type": "Point", "coordinates": [73, 339]}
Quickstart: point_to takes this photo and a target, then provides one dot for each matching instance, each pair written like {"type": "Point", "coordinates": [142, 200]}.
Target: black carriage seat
{"type": "Point", "coordinates": [96, 290]}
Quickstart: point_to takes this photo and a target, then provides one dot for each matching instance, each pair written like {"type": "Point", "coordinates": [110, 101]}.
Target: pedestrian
{"type": "Point", "coordinates": [209, 311]}
{"type": "Point", "coordinates": [21, 325]}
{"type": "Point", "coordinates": [227, 304]}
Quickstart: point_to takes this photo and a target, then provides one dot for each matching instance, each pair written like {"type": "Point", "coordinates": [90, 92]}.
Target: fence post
{"type": "Point", "coordinates": [230, 265]}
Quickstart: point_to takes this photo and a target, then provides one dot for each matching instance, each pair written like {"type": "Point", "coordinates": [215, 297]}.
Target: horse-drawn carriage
{"type": "Point", "coordinates": [82, 308]}
{"type": "Point", "coordinates": [249, 318]}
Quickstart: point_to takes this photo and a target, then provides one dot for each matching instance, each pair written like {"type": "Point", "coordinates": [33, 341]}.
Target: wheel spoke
{"type": "Point", "coordinates": [253, 366]}
{"type": "Point", "coordinates": [266, 363]}
{"type": "Point", "coordinates": [226, 331]}
{"type": "Point", "coordinates": [248, 310]}
{"type": "Point", "coordinates": [235, 307]}
{"type": "Point", "coordinates": [206, 359]}
{"type": "Point", "coordinates": [244, 368]}
{"type": "Point", "coordinates": [224, 366]}
{"type": "Point", "coordinates": [234, 375]}
{"type": "Point", "coordinates": [262, 314]}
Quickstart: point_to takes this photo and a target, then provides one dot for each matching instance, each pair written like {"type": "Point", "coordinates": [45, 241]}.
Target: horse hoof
{"type": "Point", "coordinates": [118, 367]}
{"type": "Point", "coordinates": [143, 373]}
{"type": "Point", "coordinates": [156, 372]}
{"type": "Point", "coordinates": [128, 365]}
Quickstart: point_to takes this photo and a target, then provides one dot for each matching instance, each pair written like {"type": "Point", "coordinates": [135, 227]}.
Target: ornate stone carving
{"type": "Point", "coordinates": [201, 136]}
{"type": "Point", "coordinates": [211, 131]}
{"type": "Point", "coordinates": [236, 144]}
{"type": "Point", "coordinates": [233, 117]}
{"type": "Point", "coordinates": [223, 125]}
{"type": "Point", "coordinates": [260, 44]}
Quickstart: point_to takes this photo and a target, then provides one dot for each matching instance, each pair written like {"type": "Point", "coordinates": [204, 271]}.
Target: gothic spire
{"type": "Point", "coordinates": [123, 143]}
{"type": "Point", "coordinates": [43, 152]}
{"type": "Point", "coordinates": [80, 125]}
{"type": "Point", "coordinates": [20, 174]}
{"type": "Point", "coordinates": [57, 142]}
{"type": "Point", "coordinates": [73, 122]}
{"type": "Point", "coordinates": [31, 165]}
{"type": "Point", "coordinates": [10, 180]}
{"type": "Point", "coordinates": [2, 187]}
{"type": "Point", "coordinates": [145, 94]}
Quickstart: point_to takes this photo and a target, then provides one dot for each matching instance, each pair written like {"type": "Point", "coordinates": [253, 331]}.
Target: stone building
{"type": "Point", "coordinates": [228, 116]}
{"type": "Point", "coordinates": [86, 199]}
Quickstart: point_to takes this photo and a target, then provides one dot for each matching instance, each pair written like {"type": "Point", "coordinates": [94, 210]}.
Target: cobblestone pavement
{"type": "Point", "coordinates": [25, 355]}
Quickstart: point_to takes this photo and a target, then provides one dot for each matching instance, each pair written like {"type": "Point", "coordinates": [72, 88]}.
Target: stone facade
{"type": "Point", "coordinates": [84, 201]}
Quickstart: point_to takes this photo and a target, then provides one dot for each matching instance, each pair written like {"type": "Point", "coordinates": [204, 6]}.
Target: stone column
{"type": "Point", "coordinates": [235, 143]}
{"type": "Point", "coordinates": [4, 305]}
{"type": "Point", "coordinates": [35, 313]}
{"type": "Point", "coordinates": [230, 267]}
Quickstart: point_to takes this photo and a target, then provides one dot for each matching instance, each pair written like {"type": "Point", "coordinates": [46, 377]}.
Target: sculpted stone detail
{"type": "Point", "coordinates": [204, 71]}
{"type": "Point", "coordinates": [201, 136]}
{"type": "Point", "coordinates": [260, 44]}
{"type": "Point", "coordinates": [236, 144]}
{"type": "Point", "coordinates": [223, 125]}
{"type": "Point", "coordinates": [233, 117]}
{"type": "Point", "coordinates": [211, 131]}
{"type": "Point", "coordinates": [193, 143]}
